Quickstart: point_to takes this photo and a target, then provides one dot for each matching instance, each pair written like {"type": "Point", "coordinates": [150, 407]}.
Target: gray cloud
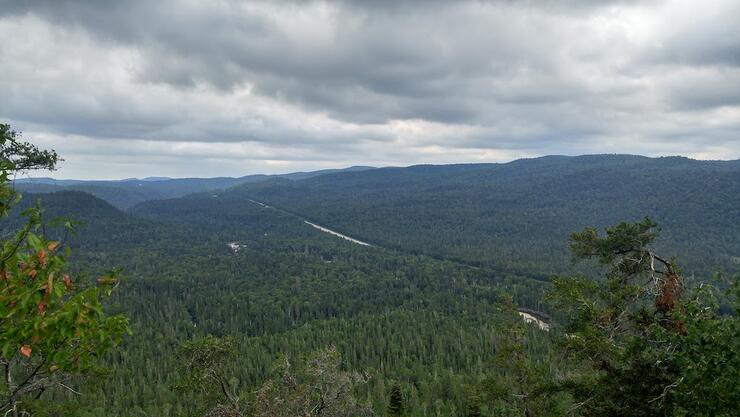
{"type": "Point", "coordinates": [336, 82]}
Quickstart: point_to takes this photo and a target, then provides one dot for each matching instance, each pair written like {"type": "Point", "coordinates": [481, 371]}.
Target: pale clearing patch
{"type": "Point", "coordinates": [235, 246]}
{"type": "Point", "coordinates": [528, 318]}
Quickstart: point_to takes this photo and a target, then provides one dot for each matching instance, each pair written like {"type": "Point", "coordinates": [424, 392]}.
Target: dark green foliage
{"type": "Point", "coordinates": [642, 344]}
{"type": "Point", "coordinates": [395, 401]}
{"type": "Point", "coordinates": [620, 241]}
{"type": "Point", "coordinates": [19, 156]}
{"type": "Point", "coordinates": [434, 326]}
{"type": "Point", "coordinates": [291, 289]}
{"type": "Point", "coordinates": [430, 328]}
{"type": "Point", "coordinates": [516, 217]}
{"type": "Point", "coordinates": [709, 358]}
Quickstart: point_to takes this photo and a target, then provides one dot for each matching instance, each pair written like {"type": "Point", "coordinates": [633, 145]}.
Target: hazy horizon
{"type": "Point", "coordinates": [54, 175]}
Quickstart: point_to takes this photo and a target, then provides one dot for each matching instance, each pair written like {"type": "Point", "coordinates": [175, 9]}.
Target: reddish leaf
{"type": "Point", "coordinates": [41, 307]}
{"type": "Point", "coordinates": [49, 285]}
{"type": "Point", "coordinates": [42, 257]}
{"type": "Point", "coordinates": [26, 351]}
{"type": "Point", "coordinates": [67, 282]}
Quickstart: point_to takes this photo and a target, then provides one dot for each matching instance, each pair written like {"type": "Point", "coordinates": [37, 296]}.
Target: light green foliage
{"type": "Point", "coordinates": [320, 389]}
{"type": "Point", "coordinates": [316, 388]}
{"type": "Point", "coordinates": [53, 326]}
{"type": "Point", "coordinates": [205, 366]}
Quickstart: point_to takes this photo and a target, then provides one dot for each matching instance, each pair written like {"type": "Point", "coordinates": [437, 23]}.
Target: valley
{"type": "Point", "coordinates": [286, 267]}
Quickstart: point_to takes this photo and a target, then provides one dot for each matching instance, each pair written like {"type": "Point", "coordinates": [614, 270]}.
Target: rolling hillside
{"type": "Point", "coordinates": [515, 216]}
{"type": "Point", "coordinates": [432, 323]}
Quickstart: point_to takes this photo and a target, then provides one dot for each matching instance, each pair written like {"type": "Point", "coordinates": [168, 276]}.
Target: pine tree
{"type": "Point", "coordinates": [395, 404]}
{"type": "Point", "coordinates": [644, 343]}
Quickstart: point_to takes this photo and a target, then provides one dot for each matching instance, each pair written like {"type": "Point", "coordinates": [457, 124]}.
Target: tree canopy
{"type": "Point", "coordinates": [53, 325]}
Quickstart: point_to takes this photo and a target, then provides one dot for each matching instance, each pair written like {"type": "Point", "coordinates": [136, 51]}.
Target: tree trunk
{"type": "Point", "coordinates": [11, 389]}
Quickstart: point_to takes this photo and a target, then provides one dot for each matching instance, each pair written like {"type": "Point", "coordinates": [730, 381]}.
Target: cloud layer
{"type": "Point", "coordinates": [179, 87]}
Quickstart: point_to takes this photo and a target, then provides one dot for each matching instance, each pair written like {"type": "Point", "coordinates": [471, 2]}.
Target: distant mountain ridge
{"type": "Point", "coordinates": [128, 192]}
{"type": "Point", "coordinates": [290, 175]}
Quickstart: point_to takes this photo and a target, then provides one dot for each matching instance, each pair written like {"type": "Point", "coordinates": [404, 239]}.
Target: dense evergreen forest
{"type": "Point", "coordinates": [516, 217]}
{"type": "Point", "coordinates": [288, 289]}
{"type": "Point", "coordinates": [424, 322]}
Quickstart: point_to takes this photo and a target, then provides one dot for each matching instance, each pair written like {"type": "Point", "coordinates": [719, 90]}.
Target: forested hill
{"type": "Point", "coordinates": [126, 193]}
{"type": "Point", "coordinates": [517, 216]}
{"type": "Point", "coordinates": [217, 263]}
{"type": "Point", "coordinates": [98, 226]}
{"type": "Point", "coordinates": [288, 289]}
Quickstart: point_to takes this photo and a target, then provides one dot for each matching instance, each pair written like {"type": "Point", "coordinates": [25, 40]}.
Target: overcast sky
{"type": "Point", "coordinates": [208, 88]}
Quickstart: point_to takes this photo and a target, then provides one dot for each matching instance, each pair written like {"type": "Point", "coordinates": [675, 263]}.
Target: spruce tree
{"type": "Point", "coordinates": [395, 403]}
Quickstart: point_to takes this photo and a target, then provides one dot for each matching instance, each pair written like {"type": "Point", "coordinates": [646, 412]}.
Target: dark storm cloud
{"type": "Point", "coordinates": [388, 66]}
{"type": "Point", "coordinates": [435, 78]}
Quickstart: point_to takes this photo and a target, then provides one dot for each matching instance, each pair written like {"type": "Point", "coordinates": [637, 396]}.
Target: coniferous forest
{"type": "Point", "coordinates": [224, 301]}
